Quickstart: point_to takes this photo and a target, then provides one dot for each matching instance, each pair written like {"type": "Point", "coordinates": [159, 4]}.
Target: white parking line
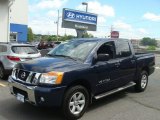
{"type": "Point", "coordinates": [157, 68]}
{"type": "Point", "coordinates": [2, 85]}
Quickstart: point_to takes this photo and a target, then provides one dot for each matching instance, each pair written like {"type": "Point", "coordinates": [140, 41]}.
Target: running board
{"type": "Point", "coordinates": [115, 90]}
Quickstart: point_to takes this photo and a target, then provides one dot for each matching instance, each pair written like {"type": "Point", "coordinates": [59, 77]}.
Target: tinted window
{"type": "Point", "coordinates": [3, 48]}
{"type": "Point", "coordinates": [24, 50]}
{"type": "Point", "coordinates": [107, 48]}
{"type": "Point", "coordinates": [122, 49]}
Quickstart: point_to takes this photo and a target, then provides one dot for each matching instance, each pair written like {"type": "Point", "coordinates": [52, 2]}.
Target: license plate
{"type": "Point", "coordinates": [20, 97]}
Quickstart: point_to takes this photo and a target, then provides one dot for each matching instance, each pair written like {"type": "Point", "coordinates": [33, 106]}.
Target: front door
{"type": "Point", "coordinates": [108, 72]}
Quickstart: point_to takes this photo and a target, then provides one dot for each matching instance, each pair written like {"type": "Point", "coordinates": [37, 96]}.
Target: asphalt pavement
{"type": "Point", "coordinates": [125, 105]}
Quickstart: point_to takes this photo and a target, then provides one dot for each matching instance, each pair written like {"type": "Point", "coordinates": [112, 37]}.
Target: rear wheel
{"type": "Point", "coordinates": [142, 82]}
{"type": "Point", "coordinates": [75, 102]}
{"type": "Point", "coordinates": [2, 72]}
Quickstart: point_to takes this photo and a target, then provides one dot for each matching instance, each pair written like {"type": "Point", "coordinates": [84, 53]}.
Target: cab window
{"type": "Point", "coordinates": [107, 48]}
{"type": "Point", "coordinates": [122, 49]}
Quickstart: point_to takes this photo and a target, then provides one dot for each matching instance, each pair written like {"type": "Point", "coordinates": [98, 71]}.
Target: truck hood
{"type": "Point", "coordinates": [48, 64]}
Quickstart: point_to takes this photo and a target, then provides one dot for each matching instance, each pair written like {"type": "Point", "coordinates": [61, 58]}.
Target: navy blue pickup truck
{"type": "Point", "coordinates": [79, 71]}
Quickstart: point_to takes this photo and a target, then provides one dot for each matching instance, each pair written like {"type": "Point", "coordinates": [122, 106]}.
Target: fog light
{"type": "Point", "coordinates": [42, 99]}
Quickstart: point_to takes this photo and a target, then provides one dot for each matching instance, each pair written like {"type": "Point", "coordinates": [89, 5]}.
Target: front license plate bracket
{"type": "Point", "coordinates": [20, 97]}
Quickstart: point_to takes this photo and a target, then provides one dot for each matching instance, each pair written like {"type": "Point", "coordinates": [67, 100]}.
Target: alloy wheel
{"type": "Point", "coordinates": [77, 103]}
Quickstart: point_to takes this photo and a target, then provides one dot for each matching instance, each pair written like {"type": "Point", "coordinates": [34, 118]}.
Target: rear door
{"type": "Point", "coordinates": [127, 63]}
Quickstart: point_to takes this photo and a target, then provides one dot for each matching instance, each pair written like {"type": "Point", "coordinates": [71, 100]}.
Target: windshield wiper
{"type": "Point", "coordinates": [49, 55]}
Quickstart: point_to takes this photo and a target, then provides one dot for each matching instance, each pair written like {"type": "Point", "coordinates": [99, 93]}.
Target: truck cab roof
{"type": "Point", "coordinates": [99, 39]}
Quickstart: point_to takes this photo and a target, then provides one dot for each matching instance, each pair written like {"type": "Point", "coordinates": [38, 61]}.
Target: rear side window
{"type": "Point", "coordinates": [3, 48]}
{"type": "Point", "coordinates": [122, 49]}
{"type": "Point", "coordinates": [24, 50]}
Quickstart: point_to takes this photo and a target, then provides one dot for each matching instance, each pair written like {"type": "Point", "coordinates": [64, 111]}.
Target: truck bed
{"type": "Point", "coordinates": [143, 54]}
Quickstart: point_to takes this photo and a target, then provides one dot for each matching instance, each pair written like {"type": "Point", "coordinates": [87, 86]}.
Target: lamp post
{"type": "Point", "coordinates": [57, 23]}
{"type": "Point", "coordinates": [86, 4]}
{"type": "Point", "coordinates": [58, 26]}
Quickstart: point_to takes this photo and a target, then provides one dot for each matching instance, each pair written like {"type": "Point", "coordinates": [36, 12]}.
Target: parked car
{"type": "Point", "coordinates": [12, 53]}
{"type": "Point", "coordinates": [57, 43]}
{"type": "Point", "coordinates": [45, 45]}
{"type": "Point", "coordinates": [78, 71]}
{"type": "Point", "coordinates": [41, 45]}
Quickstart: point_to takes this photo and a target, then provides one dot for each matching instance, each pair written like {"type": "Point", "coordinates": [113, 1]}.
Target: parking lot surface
{"type": "Point", "coordinates": [126, 105]}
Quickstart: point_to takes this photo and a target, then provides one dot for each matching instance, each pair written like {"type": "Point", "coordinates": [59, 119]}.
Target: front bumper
{"type": "Point", "coordinates": [40, 96]}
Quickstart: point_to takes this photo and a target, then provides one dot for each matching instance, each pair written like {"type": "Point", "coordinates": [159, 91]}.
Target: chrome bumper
{"type": "Point", "coordinates": [30, 90]}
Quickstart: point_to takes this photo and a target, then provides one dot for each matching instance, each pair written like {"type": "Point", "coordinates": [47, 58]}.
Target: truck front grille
{"type": "Point", "coordinates": [25, 76]}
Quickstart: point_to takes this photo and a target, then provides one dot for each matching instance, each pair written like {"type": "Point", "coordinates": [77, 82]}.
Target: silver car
{"type": "Point", "coordinates": [12, 53]}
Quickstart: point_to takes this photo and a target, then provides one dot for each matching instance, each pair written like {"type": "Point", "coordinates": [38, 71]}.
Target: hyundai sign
{"type": "Point", "coordinates": [79, 20]}
{"type": "Point", "coordinates": [82, 17]}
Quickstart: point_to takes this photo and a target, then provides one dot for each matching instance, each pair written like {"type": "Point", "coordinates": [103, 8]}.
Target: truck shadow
{"type": "Point", "coordinates": [107, 100]}
{"type": "Point", "coordinates": [11, 109]}
{"type": "Point", "coordinates": [5, 79]}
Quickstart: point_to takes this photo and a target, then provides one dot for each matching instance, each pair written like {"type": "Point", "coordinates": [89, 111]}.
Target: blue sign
{"type": "Point", "coordinates": [80, 17]}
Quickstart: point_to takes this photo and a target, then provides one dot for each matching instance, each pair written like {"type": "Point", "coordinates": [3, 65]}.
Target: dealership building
{"type": "Point", "coordinates": [13, 20]}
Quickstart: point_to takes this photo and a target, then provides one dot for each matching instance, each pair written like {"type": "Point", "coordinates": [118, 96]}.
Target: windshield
{"type": "Point", "coordinates": [74, 49]}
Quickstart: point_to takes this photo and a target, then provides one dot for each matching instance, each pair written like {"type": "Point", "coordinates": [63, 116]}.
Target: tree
{"type": "Point", "coordinates": [151, 48]}
{"type": "Point", "coordinates": [53, 37]}
{"type": "Point", "coordinates": [87, 35]}
{"type": "Point", "coordinates": [30, 35]}
{"type": "Point", "coordinates": [49, 38]}
{"type": "Point", "coordinates": [148, 42]}
{"type": "Point", "coordinates": [66, 37]}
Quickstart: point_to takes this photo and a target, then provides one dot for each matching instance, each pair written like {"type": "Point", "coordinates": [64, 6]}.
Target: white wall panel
{"type": "Point", "coordinates": [19, 12]}
{"type": "Point", "coordinates": [3, 21]}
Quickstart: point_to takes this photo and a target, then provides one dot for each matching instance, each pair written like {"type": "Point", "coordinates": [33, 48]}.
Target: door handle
{"type": "Point", "coordinates": [132, 61]}
{"type": "Point", "coordinates": [117, 64]}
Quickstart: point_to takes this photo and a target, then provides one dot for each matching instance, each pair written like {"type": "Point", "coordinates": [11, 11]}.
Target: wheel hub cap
{"type": "Point", "coordinates": [77, 103]}
{"type": "Point", "coordinates": [144, 81]}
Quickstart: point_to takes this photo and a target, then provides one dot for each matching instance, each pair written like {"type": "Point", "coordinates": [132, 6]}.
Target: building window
{"type": "Point", "coordinates": [13, 37]}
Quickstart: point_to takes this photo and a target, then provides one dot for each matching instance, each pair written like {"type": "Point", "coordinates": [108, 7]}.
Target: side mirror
{"type": "Point", "coordinates": [103, 57]}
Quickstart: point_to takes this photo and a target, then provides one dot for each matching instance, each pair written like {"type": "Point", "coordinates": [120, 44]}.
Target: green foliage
{"type": "Point", "coordinates": [148, 42]}
{"type": "Point", "coordinates": [151, 48]}
{"type": "Point", "coordinates": [30, 35]}
{"type": "Point", "coordinates": [39, 37]}
{"type": "Point", "coordinates": [66, 37]}
{"type": "Point", "coordinates": [87, 35]}
{"type": "Point", "coordinates": [54, 37]}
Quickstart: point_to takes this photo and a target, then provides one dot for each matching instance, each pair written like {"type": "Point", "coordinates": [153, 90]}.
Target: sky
{"type": "Point", "coordinates": [134, 19]}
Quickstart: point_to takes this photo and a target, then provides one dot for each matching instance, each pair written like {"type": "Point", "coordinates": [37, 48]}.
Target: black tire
{"type": "Point", "coordinates": [69, 96]}
{"type": "Point", "coordinates": [139, 87]}
{"type": "Point", "coordinates": [2, 72]}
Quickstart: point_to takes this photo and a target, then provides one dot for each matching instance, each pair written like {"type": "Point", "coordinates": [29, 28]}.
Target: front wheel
{"type": "Point", "coordinates": [142, 82]}
{"type": "Point", "coordinates": [2, 73]}
{"type": "Point", "coordinates": [75, 102]}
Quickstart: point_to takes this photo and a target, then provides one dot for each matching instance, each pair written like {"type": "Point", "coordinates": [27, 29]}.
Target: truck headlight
{"type": "Point", "coordinates": [51, 78]}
